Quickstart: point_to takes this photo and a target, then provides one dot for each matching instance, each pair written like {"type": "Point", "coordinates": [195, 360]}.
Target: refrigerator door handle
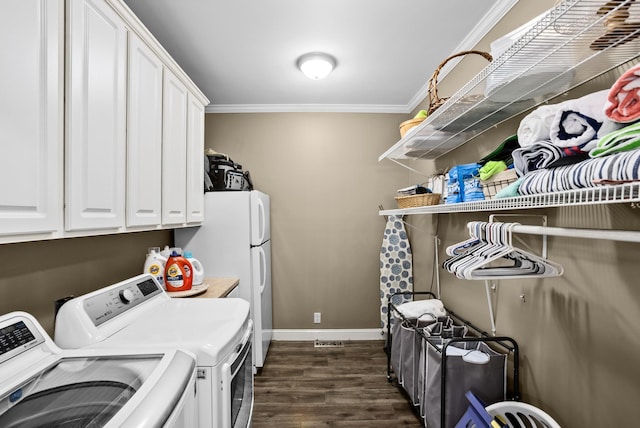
{"type": "Point", "coordinates": [261, 221]}
{"type": "Point", "coordinates": [263, 269]}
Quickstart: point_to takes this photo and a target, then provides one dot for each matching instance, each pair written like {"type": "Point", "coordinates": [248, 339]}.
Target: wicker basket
{"type": "Point", "coordinates": [498, 182]}
{"type": "Point", "coordinates": [421, 200]}
{"type": "Point", "coordinates": [434, 100]}
{"type": "Point", "coordinates": [408, 124]}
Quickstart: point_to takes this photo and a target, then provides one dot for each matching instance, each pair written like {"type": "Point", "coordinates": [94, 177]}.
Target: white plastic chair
{"type": "Point", "coordinates": [522, 415]}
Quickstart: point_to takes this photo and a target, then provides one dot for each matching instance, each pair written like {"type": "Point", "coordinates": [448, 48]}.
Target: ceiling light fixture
{"type": "Point", "coordinates": [316, 65]}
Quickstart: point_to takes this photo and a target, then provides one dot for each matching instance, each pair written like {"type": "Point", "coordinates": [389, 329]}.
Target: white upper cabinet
{"type": "Point", "coordinates": [96, 116]}
{"type": "Point", "coordinates": [195, 160]}
{"type": "Point", "coordinates": [101, 131]}
{"type": "Point", "coordinates": [144, 136]}
{"type": "Point", "coordinates": [31, 46]}
{"type": "Point", "coordinates": [174, 150]}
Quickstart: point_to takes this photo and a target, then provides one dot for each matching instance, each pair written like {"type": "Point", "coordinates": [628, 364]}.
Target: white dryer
{"type": "Point", "coordinates": [42, 385]}
{"type": "Point", "coordinates": [137, 313]}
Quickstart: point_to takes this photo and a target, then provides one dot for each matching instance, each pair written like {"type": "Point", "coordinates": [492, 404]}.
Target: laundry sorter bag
{"type": "Point", "coordinates": [470, 366]}
{"type": "Point", "coordinates": [405, 343]}
{"type": "Point", "coordinates": [405, 352]}
{"type": "Point", "coordinates": [410, 345]}
{"type": "Point", "coordinates": [437, 332]}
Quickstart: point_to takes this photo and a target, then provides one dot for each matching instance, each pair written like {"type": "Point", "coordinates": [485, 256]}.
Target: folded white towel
{"type": "Point", "coordinates": [417, 308]}
{"type": "Point", "coordinates": [536, 126]}
{"type": "Point", "coordinates": [578, 121]}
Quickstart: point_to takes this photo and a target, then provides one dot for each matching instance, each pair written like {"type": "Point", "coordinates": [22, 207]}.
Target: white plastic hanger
{"type": "Point", "coordinates": [483, 256]}
{"type": "Point", "coordinates": [482, 242]}
{"type": "Point", "coordinates": [496, 236]}
{"type": "Point", "coordinates": [526, 264]}
{"type": "Point", "coordinates": [474, 238]}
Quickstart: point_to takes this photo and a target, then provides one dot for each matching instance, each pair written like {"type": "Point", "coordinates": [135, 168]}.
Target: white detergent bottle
{"type": "Point", "coordinates": [198, 270]}
{"type": "Point", "coordinates": [166, 252]}
{"type": "Point", "coordinates": [155, 264]}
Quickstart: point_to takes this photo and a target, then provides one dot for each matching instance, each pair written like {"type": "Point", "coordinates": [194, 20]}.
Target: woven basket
{"type": "Point", "coordinates": [434, 100]}
{"type": "Point", "coordinates": [408, 124]}
{"type": "Point", "coordinates": [498, 182]}
{"type": "Point", "coordinates": [421, 200]}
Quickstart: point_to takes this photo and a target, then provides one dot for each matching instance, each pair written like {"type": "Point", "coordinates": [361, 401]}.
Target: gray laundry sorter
{"type": "Point", "coordinates": [433, 382]}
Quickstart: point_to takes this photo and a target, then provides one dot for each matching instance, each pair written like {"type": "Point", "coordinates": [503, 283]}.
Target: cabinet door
{"type": "Point", "coordinates": [96, 103]}
{"type": "Point", "coordinates": [31, 141]}
{"type": "Point", "coordinates": [174, 150]}
{"type": "Point", "coordinates": [144, 136]}
{"type": "Point", "coordinates": [195, 161]}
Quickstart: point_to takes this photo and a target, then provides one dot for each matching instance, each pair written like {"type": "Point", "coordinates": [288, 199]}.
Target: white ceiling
{"type": "Point", "coordinates": [242, 54]}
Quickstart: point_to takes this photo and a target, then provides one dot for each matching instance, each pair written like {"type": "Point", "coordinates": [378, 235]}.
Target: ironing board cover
{"type": "Point", "coordinates": [396, 272]}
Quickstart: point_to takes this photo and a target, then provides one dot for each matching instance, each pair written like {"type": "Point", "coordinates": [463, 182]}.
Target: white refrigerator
{"type": "Point", "coordinates": [235, 241]}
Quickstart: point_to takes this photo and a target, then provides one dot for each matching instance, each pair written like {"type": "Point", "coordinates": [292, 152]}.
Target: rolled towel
{"type": "Point", "coordinates": [623, 99]}
{"type": "Point", "coordinates": [622, 140]}
{"type": "Point", "coordinates": [536, 126]}
{"type": "Point", "coordinates": [578, 121]}
{"type": "Point", "coordinates": [535, 156]}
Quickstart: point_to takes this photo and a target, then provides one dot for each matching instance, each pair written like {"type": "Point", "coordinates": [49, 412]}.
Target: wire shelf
{"type": "Point", "coordinates": [570, 45]}
{"type": "Point", "coordinates": [610, 194]}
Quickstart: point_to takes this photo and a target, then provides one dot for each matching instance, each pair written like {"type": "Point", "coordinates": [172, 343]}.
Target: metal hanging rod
{"type": "Point", "coordinates": [611, 235]}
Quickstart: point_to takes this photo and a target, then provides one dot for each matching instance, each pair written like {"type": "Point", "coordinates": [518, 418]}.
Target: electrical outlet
{"type": "Point", "coordinates": [316, 317]}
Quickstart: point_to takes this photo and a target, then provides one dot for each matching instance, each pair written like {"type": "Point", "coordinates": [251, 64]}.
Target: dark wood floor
{"type": "Point", "coordinates": [301, 386]}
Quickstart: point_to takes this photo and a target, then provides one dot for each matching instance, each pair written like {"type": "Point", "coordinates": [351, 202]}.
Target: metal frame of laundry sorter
{"type": "Point", "coordinates": [482, 337]}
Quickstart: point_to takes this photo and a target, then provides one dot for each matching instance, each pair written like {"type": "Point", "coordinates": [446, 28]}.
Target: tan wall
{"type": "Point", "coordinates": [35, 274]}
{"type": "Point", "coordinates": [326, 183]}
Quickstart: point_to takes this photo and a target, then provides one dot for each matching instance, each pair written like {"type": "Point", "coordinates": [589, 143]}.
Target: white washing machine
{"type": "Point", "coordinates": [42, 385]}
{"type": "Point", "coordinates": [137, 313]}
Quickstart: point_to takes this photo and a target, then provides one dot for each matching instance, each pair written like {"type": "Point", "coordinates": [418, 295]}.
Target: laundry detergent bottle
{"type": "Point", "coordinates": [198, 270]}
{"type": "Point", "coordinates": [178, 273]}
{"type": "Point", "coordinates": [155, 265]}
{"type": "Point", "coordinates": [166, 252]}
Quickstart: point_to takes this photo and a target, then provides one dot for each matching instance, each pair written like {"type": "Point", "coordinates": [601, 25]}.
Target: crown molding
{"type": "Point", "coordinates": [305, 108]}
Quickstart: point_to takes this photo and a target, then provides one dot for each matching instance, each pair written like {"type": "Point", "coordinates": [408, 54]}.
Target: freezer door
{"type": "Point", "coordinates": [260, 222]}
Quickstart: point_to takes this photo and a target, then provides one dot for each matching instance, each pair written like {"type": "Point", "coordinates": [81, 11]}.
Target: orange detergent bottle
{"type": "Point", "coordinates": [178, 273]}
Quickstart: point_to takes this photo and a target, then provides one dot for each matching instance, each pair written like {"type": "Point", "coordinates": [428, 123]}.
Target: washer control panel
{"type": "Point", "coordinates": [118, 299]}
{"type": "Point", "coordinates": [17, 335]}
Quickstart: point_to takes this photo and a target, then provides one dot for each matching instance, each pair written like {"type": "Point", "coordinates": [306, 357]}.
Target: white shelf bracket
{"type": "Point", "coordinates": [492, 314]}
{"type": "Point", "coordinates": [408, 167]}
{"type": "Point", "coordinates": [488, 288]}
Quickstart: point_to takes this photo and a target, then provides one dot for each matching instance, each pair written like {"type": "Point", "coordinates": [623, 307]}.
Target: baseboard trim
{"type": "Point", "coordinates": [328, 334]}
